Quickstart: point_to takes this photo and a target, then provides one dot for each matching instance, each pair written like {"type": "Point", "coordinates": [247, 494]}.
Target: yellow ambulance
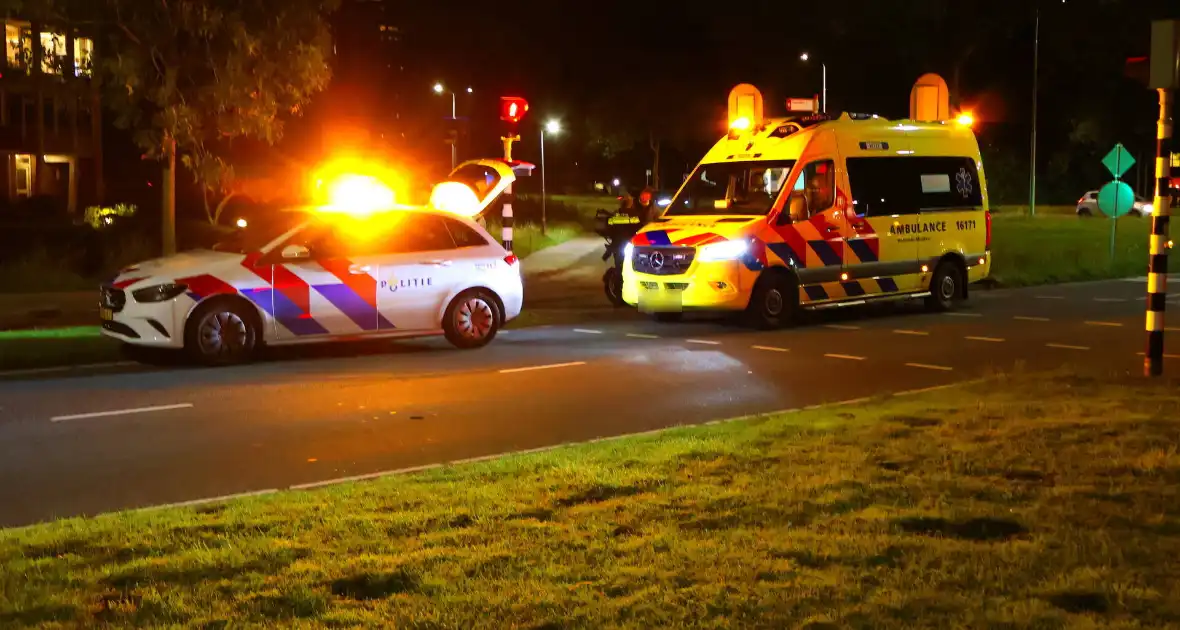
{"type": "Point", "coordinates": [817, 211]}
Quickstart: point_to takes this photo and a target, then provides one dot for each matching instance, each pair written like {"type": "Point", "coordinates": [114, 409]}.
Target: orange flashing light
{"type": "Point", "coordinates": [455, 198]}
{"type": "Point", "coordinates": [966, 119]}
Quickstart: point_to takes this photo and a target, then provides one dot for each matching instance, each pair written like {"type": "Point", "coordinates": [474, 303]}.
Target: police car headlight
{"type": "Point", "coordinates": [158, 293]}
{"type": "Point", "coordinates": [1148, 208]}
{"type": "Point", "coordinates": [728, 250]}
{"type": "Point", "coordinates": [664, 202]}
{"type": "Point", "coordinates": [627, 251]}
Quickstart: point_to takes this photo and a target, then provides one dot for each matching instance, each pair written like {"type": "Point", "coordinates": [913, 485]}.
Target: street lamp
{"type": "Point", "coordinates": [824, 100]}
{"type": "Point", "coordinates": [553, 127]}
{"type": "Point", "coordinates": [440, 89]}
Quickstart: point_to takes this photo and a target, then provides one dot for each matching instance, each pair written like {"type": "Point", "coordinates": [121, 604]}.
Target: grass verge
{"type": "Point", "coordinates": [1051, 249]}
{"type": "Point", "coordinates": [1026, 501]}
{"type": "Point", "coordinates": [45, 351]}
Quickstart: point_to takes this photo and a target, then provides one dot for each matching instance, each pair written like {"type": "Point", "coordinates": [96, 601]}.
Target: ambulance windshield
{"type": "Point", "coordinates": [732, 188]}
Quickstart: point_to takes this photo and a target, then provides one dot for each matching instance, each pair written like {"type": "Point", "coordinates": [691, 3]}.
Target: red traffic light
{"type": "Point", "coordinates": [513, 108]}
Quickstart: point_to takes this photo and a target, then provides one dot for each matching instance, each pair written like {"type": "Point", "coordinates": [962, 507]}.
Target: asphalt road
{"type": "Point", "coordinates": [121, 439]}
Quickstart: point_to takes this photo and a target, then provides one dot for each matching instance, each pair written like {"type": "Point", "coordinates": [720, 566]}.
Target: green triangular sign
{"type": "Point", "coordinates": [1118, 161]}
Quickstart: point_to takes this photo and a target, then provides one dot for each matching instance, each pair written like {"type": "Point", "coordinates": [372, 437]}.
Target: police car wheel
{"type": "Point", "coordinates": [945, 287]}
{"type": "Point", "coordinates": [221, 333]}
{"type": "Point", "coordinates": [472, 320]}
{"type": "Point", "coordinates": [772, 304]}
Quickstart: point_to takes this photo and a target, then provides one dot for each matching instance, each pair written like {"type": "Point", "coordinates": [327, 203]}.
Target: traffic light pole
{"type": "Point", "coordinates": [1157, 270]}
{"type": "Point", "coordinates": [509, 197]}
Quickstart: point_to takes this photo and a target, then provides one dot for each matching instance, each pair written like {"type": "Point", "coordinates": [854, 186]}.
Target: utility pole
{"type": "Point", "coordinates": [1032, 165]}
{"type": "Point", "coordinates": [168, 189]}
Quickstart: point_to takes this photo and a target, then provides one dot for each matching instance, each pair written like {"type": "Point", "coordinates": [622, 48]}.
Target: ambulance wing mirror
{"type": "Point", "coordinates": [797, 208]}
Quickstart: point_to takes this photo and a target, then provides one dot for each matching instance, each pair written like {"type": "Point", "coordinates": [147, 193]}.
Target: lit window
{"type": "Point", "coordinates": [13, 49]}
{"type": "Point", "coordinates": [83, 56]}
{"type": "Point", "coordinates": [53, 52]}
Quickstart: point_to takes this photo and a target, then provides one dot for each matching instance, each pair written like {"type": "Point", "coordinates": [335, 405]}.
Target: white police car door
{"type": "Point", "coordinates": [416, 274]}
{"type": "Point", "coordinates": [332, 290]}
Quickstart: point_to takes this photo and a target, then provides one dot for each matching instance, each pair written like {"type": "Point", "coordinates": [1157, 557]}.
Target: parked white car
{"type": "Point", "coordinates": [313, 275]}
{"type": "Point", "coordinates": [1088, 206]}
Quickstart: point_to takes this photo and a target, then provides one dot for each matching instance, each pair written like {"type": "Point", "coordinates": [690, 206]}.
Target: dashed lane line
{"type": "Point", "coordinates": [842, 327]}
{"type": "Point", "coordinates": [1065, 346]}
{"type": "Point", "coordinates": [1106, 324]}
{"type": "Point", "coordinates": [987, 339]}
{"type": "Point", "coordinates": [770, 349]}
{"type": "Point", "coordinates": [927, 366]}
{"type": "Point", "coordinates": [703, 342]}
{"type": "Point", "coordinates": [912, 333]}
{"type": "Point", "coordinates": [120, 412]}
{"type": "Point", "coordinates": [534, 368]}
{"type": "Point", "coordinates": [587, 331]}
{"type": "Point", "coordinates": [642, 336]}
{"type": "Point", "coordinates": [1024, 318]}
{"type": "Point", "coordinates": [846, 357]}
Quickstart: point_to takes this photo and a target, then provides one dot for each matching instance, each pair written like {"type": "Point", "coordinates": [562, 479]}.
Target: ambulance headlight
{"type": "Point", "coordinates": [627, 251]}
{"type": "Point", "coordinates": [158, 293]}
{"type": "Point", "coordinates": [728, 250]}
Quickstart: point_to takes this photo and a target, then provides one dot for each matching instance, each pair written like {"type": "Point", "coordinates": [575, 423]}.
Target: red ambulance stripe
{"type": "Point", "coordinates": [641, 239]}
{"type": "Point", "coordinates": [206, 285]}
{"type": "Point", "coordinates": [362, 284]}
{"type": "Point", "coordinates": [695, 239]}
{"type": "Point", "coordinates": [293, 287]}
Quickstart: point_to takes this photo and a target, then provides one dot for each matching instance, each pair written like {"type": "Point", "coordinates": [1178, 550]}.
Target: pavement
{"type": "Point", "coordinates": [130, 437]}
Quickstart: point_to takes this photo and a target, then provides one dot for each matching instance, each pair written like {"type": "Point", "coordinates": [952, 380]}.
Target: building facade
{"type": "Point", "coordinates": [50, 116]}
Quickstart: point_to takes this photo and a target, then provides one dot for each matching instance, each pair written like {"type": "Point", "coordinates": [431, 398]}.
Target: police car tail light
{"type": "Point", "coordinates": [727, 250]}
{"type": "Point", "coordinates": [511, 259]}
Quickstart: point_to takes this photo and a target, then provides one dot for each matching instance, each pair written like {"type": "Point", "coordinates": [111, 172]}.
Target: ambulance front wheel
{"type": "Point", "coordinates": [946, 287]}
{"type": "Point", "coordinates": [774, 301]}
{"type": "Point", "coordinates": [612, 284]}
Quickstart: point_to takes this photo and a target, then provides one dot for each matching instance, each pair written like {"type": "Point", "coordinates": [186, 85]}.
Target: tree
{"type": "Point", "coordinates": [188, 77]}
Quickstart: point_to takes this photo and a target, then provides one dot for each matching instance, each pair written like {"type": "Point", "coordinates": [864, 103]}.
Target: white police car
{"type": "Point", "coordinates": [317, 275]}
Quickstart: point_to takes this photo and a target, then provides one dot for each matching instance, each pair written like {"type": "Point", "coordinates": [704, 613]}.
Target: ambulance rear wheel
{"type": "Point", "coordinates": [946, 287]}
{"type": "Point", "coordinates": [773, 303]}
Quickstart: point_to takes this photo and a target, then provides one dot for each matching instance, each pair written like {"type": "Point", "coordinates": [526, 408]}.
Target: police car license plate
{"type": "Point", "coordinates": [106, 314]}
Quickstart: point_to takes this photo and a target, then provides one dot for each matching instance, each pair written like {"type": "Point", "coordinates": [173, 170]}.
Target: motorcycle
{"type": "Point", "coordinates": [618, 230]}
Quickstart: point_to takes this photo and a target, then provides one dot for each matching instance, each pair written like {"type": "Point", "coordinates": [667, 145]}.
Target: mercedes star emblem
{"type": "Point", "coordinates": [657, 260]}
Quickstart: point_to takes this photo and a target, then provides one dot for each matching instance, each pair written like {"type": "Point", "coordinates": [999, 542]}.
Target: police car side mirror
{"type": "Point", "coordinates": [296, 252]}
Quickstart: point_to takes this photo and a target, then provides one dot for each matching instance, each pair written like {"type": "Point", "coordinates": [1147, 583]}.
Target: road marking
{"type": "Point", "coordinates": [642, 336]}
{"type": "Point", "coordinates": [846, 357]}
{"type": "Point", "coordinates": [704, 342]}
{"type": "Point", "coordinates": [1049, 297]}
{"type": "Point", "coordinates": [376, 475]}
{"type": "Point", "coordinates": [1109, 300]}
{"type": "Point", "coordinates": [915, 333]}
{"type": "Point", "coordinates": [842, 327]}
{"type": "Point", "coordinates": [1064, 346]}
{"type": "Point", "coordinates": [770, 348]}
{"type": "Point", "coordinates": [1107, 324]}
{"type": "Point", "coordinates": [1030, 319]}
{"type": "Point", "coordinates": [927, 390]}
{"type": "Point", "coordinates": [534, 368]}
{"type": "Point", "coordinates": [66, 368]}
{"type": "Point", "coordinates": [587, 331]}
{"type": "Point", "coordinates": [963, 314]}
{"type": "Point", "coordinates": [1166, 356]}
{"type": "Point", "coordinates": [988, 339]}
{"type": "Point", "coordinates": [121, 412]}
{"type": "Point", "coordinates": [925, 366]}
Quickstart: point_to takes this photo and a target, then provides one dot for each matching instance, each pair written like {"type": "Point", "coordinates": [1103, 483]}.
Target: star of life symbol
{"type": "Point", "coordinates": [963, 183]}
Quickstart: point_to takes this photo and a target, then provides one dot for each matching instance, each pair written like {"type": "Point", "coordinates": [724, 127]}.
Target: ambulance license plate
{"type": "Point", "coordinates": [106, 314]}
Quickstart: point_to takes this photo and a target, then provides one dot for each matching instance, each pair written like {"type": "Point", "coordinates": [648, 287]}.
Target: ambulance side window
{"type": "Point", "coordinates": [818, 180]}
{"type": "Point", "coordinates": [881, 187]}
